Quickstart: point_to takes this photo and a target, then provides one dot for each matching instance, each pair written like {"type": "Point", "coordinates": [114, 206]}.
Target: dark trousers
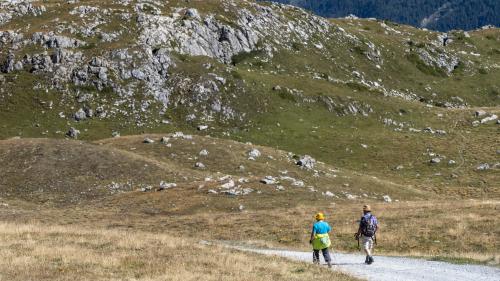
{"type": "Point", "coordinates": [326, 255]}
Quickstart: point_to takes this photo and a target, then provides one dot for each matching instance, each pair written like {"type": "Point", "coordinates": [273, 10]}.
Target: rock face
{"type": "Point", "coordinates": [197, 37]}
{"type": "Point", "coordinates": [12, 9]}
{"type": "Point", "coordinates": [205, 35]}
{"type": "Point", "coordinates": [144, 61]}
{"type": "Point", "coordinates": [433, 58]}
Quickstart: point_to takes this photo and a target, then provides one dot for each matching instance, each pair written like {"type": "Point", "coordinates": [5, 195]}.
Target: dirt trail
{"type": "Point", "coordinates": [395, 268]}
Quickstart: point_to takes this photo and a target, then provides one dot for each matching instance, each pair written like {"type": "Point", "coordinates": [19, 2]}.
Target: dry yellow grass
{"type": "Point", "coordinates": [462, 230]}
{"type": "Point", "coordinates": [467, 230]}
{"type": "Point", "coordinates": [37, 252]}
{"type": "Point", "coordinates": [52, 191]}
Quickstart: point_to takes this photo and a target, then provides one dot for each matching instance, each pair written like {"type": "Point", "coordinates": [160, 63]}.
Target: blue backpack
{"type": "Point", "coordinates": [369, 226]}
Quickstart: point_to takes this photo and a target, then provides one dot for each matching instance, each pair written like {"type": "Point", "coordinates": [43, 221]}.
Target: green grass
{"type": "Point", "coordinates": [426, 69]}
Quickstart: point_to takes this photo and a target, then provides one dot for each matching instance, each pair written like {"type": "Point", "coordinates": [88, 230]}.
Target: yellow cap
{"type": "Point", "coordinates": [367, 208]}
{"type": "Point", "coordinates": [319, 216]}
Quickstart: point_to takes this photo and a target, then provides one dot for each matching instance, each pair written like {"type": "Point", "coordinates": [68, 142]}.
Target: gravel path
{"type": "Point", "coordinates": [394, 268]}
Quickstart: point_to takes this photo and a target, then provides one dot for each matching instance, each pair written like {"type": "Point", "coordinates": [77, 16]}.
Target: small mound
{"type": "Point", "coordinates": [66, 171]}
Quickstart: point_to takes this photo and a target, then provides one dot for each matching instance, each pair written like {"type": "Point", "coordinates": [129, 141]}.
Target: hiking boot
{"type": "Point", "coordinates": [370, 260]}
{"type": "Point", "coordinates": [367, 260]}
{"type": "Point", "coordinates": [329, 265]}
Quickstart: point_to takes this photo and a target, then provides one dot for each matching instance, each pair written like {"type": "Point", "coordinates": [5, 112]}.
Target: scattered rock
{"type": "Point", "coordinates": [229, 184]}
{"type": "Point", "coordinates": [166, 185]}
{"type": "Point", "coordinates": [181, 135]}
{"type": "Point", "coordinates": [73, 133]}
{"type": "Point", "coordinates": [164, 140]}
{"type": "Point", "coordinates": [489, 119]}
{"type": "Point", "coordinates": [269, 180]}
{"type": "Point", "coordinates": [80, 115]}
{"type": "Point", "coordinates": [350, 196]}
{"type": "Point", "coordinates": [243, 180]}
{"type": "Point", "coordinates": [387, 199]}
{"type": "Point", "coordinates": [328, 194]}
{"type": "Point", "coordinates": [254, 154]}
{"type": "Point", "coordinates": [298, 183]}
{"type": "Point", "coordinates": [435, 160]}
{"type": "Point", "coordinates": [225, 178]}
{"type": "Point", "coordinates": [483, 167]}
{"type": "Point", "coordinates": [146, 188]}
{"type": "Point", "coordinates": [202, 127]}
{"type": "Point", "coordinates": [238, 191]}
{"type": "Point", "coordinates": [441, 132]}
{"type": "Point", "coordinates": [199, 165]}
{"type": "Point", "coordinates": [480, 113]}
{"type": "Point", "coordinates": [306, 162]}
{"type": "Point", "coordinates": [204, 152]}
{"type": "Point", "coordinates": [148, 140]}
{"type": "Point", "coordinates": [452, 162]}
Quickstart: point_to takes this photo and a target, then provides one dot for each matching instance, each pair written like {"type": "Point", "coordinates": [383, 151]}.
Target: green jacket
{"type": "Point", "coordinates": [321, 241]}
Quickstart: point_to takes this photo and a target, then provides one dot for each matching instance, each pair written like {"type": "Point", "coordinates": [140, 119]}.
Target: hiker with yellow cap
{"type": "Point", "coordinates": [320, 239]}
{"type": "Point", "coordinates": [368, 226]}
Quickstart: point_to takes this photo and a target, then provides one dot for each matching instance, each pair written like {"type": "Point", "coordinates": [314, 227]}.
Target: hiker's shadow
{"type": "Point", "coordinates": [348, 263]}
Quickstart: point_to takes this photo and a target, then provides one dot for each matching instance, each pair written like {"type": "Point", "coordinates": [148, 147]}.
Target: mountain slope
{"type": "Point", "coordinates": [441, 15]}
{"type": "Point", "coordinates": [257, 72]}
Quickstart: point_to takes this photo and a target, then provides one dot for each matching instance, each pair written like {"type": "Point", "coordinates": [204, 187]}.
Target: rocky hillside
{"type": "Point", "coordinates": [351, 92]}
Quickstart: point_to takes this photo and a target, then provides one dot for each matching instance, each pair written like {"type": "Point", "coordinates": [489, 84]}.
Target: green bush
{"type": "Point", "coordinates": [245, 56]}
{"type": "Point", "coordinates": [424, 68]}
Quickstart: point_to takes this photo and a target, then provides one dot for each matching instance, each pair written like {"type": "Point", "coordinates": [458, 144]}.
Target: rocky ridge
{"type": "Point", "coordinates": [147, 62]}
